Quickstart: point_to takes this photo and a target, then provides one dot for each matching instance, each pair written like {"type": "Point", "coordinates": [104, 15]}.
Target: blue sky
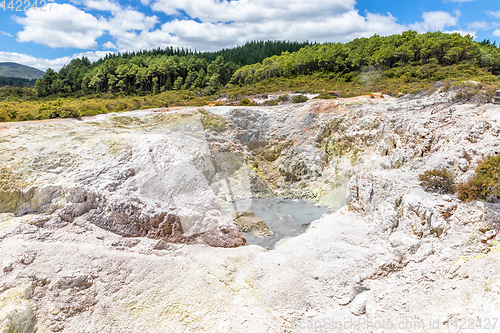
{"type": "Point", "coordinates": [66, 29]}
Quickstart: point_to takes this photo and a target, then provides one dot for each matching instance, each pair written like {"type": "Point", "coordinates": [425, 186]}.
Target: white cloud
{"type": "Point", "coordinates": [256, 10]}
{"type": "Point", "coordinates": [478, 25]}
{"type": "Point", "coordinates": [229, 23]}
{"type": "Point", "coordinates": [462, 32]}
{"type": "Point", "coordinates": [3, 33]}
{"type": "Point", "coordinates": [63, 26]}
{"type": "Point", "coordinates": [435, 21]}
{"type": "Point", "coordinates": [494, 14]}
{"type": "Point", "coordinates": [109, 45]}
{"type": "Point", "coordinates": [102, 5]}
{"type": "Point", "coordinates": [129, 20]}
{"type": "Point", "coordinates": [67, 26]}
{"type": "Point", "coordinates": [43, 64]}
{"type": "Point", "coordinates": [217, 24]}
{"type": "Point", "coordinates": [208, 36]}
{"type": "Point", "coordinates": [496, 33]}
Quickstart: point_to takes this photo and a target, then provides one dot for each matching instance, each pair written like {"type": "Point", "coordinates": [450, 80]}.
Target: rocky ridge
{"type": "Point", "coordinates": [122, 222]}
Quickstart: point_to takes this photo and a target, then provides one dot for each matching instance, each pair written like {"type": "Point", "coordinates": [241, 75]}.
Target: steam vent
{"type": "Point", "coordinates": [497, 97]}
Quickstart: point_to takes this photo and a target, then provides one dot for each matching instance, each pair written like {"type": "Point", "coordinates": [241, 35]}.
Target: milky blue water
{"type": "Point", "coordinates": [285, 217]}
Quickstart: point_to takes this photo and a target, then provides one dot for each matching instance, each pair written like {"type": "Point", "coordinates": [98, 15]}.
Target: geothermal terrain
{"type": "Point", "coordinates": [147, 221]}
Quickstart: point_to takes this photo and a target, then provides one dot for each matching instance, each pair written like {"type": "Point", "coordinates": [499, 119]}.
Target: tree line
{"type": "Point", "coordinates": [341, 60]}
{"type": "Point", "coordinates": [175, 69]}
{"type": "Point", "coordinates": [15, 81]}
{"type": "Point", "coordinates": [158, 70]}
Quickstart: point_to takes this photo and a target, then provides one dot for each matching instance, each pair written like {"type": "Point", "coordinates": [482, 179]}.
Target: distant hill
{"type": "Point", "coordinates": [14, 70]}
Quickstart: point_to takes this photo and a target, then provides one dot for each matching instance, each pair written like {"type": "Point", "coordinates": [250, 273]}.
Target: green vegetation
{"type": "Point", "coordinates": [299, 99]}
{"type": "Point", "coordinates": [395, 82]}
{"type": "Point", "coordinates": [156, 71]}
{"type": "Point", "coordinates": [346, 61]}
{"type": "Point", "coordinates": [271, 102]}
{"type": "Point", "coordinates": [27, 108]}
{"type": "Point", "coordinates": [470, 91]}
{"type": "Point", "coordinates": [486, 183]}
{"type": "Point", "coordinates": [254, 52]}
{"type": "Point", "coordinates": [437, 180]}
{"type": "Point", "coordinates": [326, 95]}
{"type": "Point", "coordinates": [385, 62]}
{"type": "Point", "coordinates": [14, 81]}
{"type": "Point", "coordinates": [394, 65]}
{"type": "Point", "coordinates": [246, 102]}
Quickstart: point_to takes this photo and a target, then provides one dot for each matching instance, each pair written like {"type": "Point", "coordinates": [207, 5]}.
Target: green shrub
{"type": "Point", "coordinates": [69, 112]}
{"type": "Point", "coordinates": [326, 96]}
{"type": "Point", "coordinates": [4, 115]}
{"type": "Point", "coordinates": [437, 180]}
{"type": "Point", "coordinates": [270, 102]}
{"type": "Point", "coordinates": [299, 99]}
{"type": "Point", "coordinates": [485, 184]}
{"type": "Point", "coordinates": [478, 93]}
{"type": "Point", "coordinates": [247, 102]}
{"type": "Point", "coordinates": [284, 98]}
{"type": "Point", "coordinates": [26, 115]}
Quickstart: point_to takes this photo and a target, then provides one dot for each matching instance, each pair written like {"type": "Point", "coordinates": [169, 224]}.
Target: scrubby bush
{"type": "Point", "coordinates": [485, 184]}
{"type": "Point", "coordinates": [284, 98]}
{"type": "Point", "coordinates": [474, 92]}
{"type": "Point", "coordinates": [69, 111]}
{"type": "Point", "coordinates": [270, 102]}
{"type": "Point", "coordinates": [326, 96]}
{"type": "Point", "coordinates": [4, 116]}
{"type": "Point", "coordinates": [246, 102]}
{"type": "Point", "coordinates": [299, 99]}
{"type": "Point", "coordinates": [437, 180]}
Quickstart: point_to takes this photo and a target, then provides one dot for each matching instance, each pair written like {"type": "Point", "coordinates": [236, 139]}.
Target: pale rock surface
{"type": "Point", "coordinates": [123, 222]}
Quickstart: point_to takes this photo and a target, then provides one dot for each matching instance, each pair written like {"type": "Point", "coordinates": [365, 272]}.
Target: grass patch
{"type": "Point", "coordinates": [13, 108]}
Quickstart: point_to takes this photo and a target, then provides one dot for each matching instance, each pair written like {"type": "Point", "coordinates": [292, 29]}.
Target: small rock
{"type": "Point", "coordinates": [77, 280]}
{"type": "Point", "coordinates": [463, 164]}
{"type": "Point", "coordinates": [27, 258]}
{"type": "Point", "coordinates": [7, 266]}
{"type": "Point", "coordinates": [490, 234]}
{"type": "Point", "coordinates": [253, 225]}
{"type": "Point", "coordinates": [358, 305]}
{"type": "Point", "coordinates": [423, 252]}
{"type": "Point", "coordinates": [16, 313]}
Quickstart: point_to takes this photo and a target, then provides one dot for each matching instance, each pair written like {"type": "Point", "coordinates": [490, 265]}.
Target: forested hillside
{"type": "Point", "coordinates": [14, 70]}
{"type": "Point", "coordinates": [158, 70]}
{"type": "Point", "coordinates": [394, 65]}
{"type": "Point", "coordinates": [179, 69]}
{"type": "Point", "coordinates": [342, 61]}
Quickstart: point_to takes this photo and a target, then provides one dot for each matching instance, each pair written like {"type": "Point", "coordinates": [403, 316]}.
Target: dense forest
{"type": "Point", "coordinates": [158, 70]}
{"type": "Point", "coordinates": [15, 81]}
{"type": "Point", "coordinates": [180, 69]}
{"type": "Point", "coordinates": [340, 61]}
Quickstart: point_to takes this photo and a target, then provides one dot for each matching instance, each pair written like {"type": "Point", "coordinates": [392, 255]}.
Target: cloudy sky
{"type": "Point", "coordinates": [56, 31]}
